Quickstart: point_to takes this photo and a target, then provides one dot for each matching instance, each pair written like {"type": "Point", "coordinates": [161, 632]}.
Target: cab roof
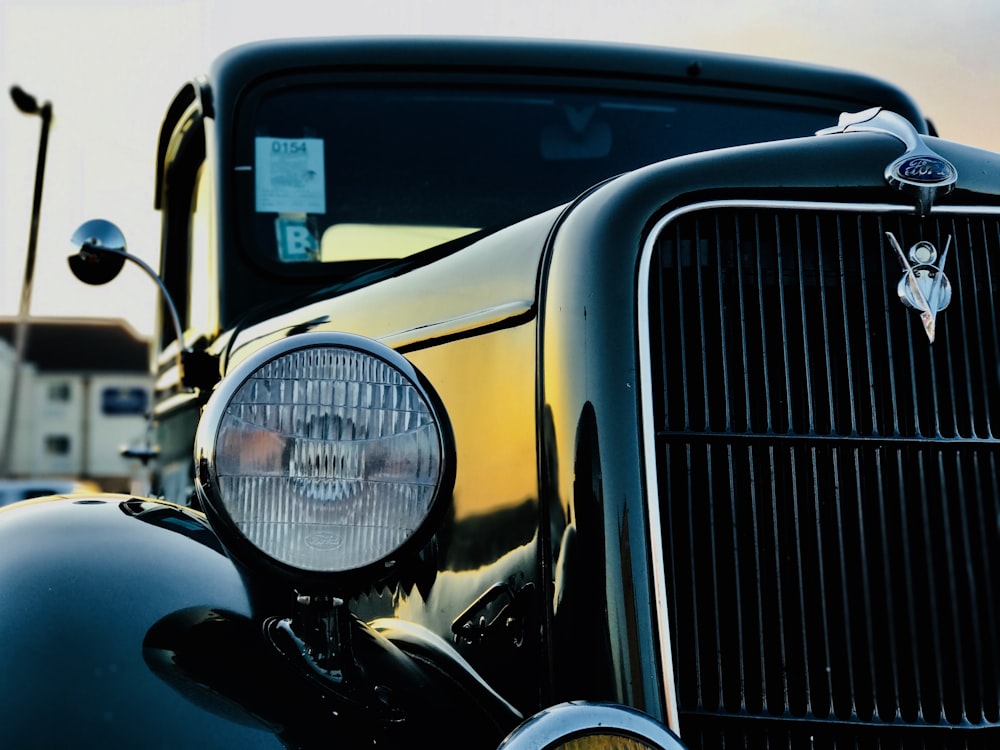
{"type": "Point", "coordinates": [248, 63]}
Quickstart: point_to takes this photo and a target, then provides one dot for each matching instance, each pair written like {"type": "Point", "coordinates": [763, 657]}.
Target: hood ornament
{"type": "Point", "coordinates": [919, 171]}
{"type": "Point", "coordinates": [924, 286]}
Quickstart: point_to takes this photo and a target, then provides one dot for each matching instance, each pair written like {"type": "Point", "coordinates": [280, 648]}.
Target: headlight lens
{"type": "Point", "coordinates": [325, 452]}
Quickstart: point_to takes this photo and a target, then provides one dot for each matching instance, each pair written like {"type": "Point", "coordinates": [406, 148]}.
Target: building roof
{"type": "Point", "coordinates": [80, 344]}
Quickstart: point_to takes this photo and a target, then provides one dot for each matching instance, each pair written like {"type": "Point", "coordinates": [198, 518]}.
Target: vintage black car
{"type": "Point", "coordinates": [534, 394]}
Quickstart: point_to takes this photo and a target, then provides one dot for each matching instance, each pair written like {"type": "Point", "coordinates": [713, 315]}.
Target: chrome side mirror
{"type": "Point", "coordinates": [100, 252]}
{"type": "Point", "coordinates": [100, 255]}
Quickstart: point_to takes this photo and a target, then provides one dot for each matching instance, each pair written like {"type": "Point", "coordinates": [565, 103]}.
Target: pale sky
{"type": "Point", "coordinates": [110, 69]}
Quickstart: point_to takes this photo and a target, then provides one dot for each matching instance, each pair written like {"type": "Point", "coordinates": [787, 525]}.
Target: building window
{"type": "Point", "coordinates": [57, 445]}
{"type": "Point", "coordinates": [59, 392]}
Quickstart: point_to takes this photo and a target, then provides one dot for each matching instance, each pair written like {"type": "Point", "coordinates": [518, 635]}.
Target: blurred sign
{"type": "Point", "coordinates": [124, 401]}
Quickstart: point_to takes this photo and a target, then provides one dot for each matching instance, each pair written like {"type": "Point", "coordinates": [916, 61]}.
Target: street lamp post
{"type": "Point", "coordinates": [27, 104]}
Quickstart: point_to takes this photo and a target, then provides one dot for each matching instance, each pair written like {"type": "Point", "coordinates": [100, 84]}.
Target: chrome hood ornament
{"type": "Point", "coordinates": [919, 171]}
{"type": "Point", "coordinates": [924, 286]}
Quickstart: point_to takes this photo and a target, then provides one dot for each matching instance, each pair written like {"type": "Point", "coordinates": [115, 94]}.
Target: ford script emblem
{"type": "Point", "coordinates": [922, 169]}
{"type": "Point", "coordinates": [321, 541]}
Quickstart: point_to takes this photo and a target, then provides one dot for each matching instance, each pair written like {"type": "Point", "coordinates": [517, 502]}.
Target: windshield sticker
{"type": "Point", "coordinates": [289, 175]}
{"type": "Point", "coordinates": [296, 239]}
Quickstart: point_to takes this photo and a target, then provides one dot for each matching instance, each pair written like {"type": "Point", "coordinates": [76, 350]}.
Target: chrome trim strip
{"type": "Point", "coordinates": [462, 324]}
{"type": "Point", "coordinates": [967, 210]}
{"type": "Point", "coordinates": [646, 396]}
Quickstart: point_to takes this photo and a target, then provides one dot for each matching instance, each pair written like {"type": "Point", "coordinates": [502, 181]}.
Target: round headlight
{"type": "Point", "coordinates": [327, 453]}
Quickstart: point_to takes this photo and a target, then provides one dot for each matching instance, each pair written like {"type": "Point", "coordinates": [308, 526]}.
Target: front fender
{"type": "Point", "coordinates": [82, 582]}
{"type": "Point", "coordinates": [123, 623]}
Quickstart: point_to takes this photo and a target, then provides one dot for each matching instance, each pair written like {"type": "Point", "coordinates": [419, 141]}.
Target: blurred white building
{"type": "Point", "coordinates": [84, 392]}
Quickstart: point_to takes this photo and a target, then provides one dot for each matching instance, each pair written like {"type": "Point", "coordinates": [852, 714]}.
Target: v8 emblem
{"type": "Point", "coordinates": [924, 286]}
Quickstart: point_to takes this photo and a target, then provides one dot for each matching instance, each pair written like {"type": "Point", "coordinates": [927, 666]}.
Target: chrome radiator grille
{"type": "Point", "coordinates": [829, 480]}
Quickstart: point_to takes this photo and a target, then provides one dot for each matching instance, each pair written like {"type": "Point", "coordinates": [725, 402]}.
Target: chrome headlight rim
{"type": "Point", "coordinates": [208, 487]}
{"type": "Point", "coordinates": [555, 727]}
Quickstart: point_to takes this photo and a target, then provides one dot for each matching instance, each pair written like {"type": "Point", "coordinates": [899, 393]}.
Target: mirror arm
{"type": "Point", "coordinates": [182, 351]}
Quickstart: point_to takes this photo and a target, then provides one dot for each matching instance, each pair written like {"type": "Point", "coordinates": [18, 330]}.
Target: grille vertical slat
{"type": "Point", "coordinates": [744, 331]}
{"type": "Point", "coordinates": [929, 551]}
{"type": "Point", "coordinates": [886, 710]}
{"type": "Point", "coordinates": [765, 372]}
{"type": "Point", "coordinates": [783, 317]}
{"type": "Point", "coordinates": [829, 482]}
{"type": "Point", "coordinates": [724, 344]}
{"type": "Point", "coordinates": [869, 325]}
{"type": "Point", "coordinates": [702, 313]}
{"type": "Point", "coordinates": [683, 363]}
{"type": "Point", "coordinates": [851, 338]}
{"type": "Point", "coordinates": [971, 342]}
{"type": "Point", "coordinates": [888, 422]}
{"type": "Point", "coordinates": [991, 323]}
{"type": "Point", "coordinates": [802, 360]}
{"type": "Point", "coordinates": [863, 698]}
{"type": "Point", "coordinates": [955, 529]}
{"type": "Point", "coordinates": [989, 339]}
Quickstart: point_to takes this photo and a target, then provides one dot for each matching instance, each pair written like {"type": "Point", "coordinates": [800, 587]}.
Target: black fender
{"type": "Point", "coordinates": [82, 582]}
{"type": "Point", "coordinates": [123, 623]}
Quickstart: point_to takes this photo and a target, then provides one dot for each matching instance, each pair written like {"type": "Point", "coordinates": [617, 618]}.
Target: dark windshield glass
{"type": "Point", "coordinates": [348, 174]}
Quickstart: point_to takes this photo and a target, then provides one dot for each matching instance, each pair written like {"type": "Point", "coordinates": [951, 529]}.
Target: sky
{"type": "Point", "coordinates": [110, 68]}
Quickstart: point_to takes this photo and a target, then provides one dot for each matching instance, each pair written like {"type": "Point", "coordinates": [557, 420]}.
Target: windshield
{"type": "Point", "coordinates": [350, 173]}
